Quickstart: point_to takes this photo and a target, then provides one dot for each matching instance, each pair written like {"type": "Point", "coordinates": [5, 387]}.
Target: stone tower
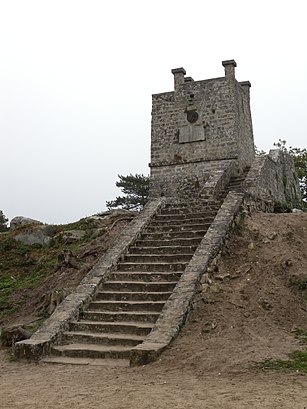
{"type": "Point", "coordinates": [198, 128]}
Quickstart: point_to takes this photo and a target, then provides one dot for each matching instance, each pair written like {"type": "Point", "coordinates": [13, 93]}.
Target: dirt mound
{"type": "Point", "coordinates": [34, 279]}
{"type": "Point", "coordinates": [250, 308]}
{"type": "Point", "coordinates": [247, 311]}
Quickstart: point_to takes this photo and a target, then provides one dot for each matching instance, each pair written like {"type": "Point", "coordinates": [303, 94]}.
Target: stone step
{"type": "Point", "coordinates": [168, 218]}
{"type": "Point", "coordinates": [174, 235]}
{"type": "Point", "coordinates": [132, 296]}
{"type": "Point", "coordinates": [92, 351]}
{"type": "Point", "coordinates": [74, 337]}
{"type": "Point", "coordinates": [116, 316]}
{"type": "Point", "coordinates": [145, 276]}
{"type": "Point", "coordinates": [163, 222]}
{"type": "Point", "coordinates": [192, 204]}
{"type": "Point", "coordinates": [236, 189]}
{"type": "Point", "coordinates": [236, 182]}
{"type": "Point", "coordinates": [158, 258]}
{"type": "Point", "coordinates": [124, 327]}
{"type": "Point", "coordinates": [177, 227]}
{"type": "Point", "coordinates": [162, 250]}
{"type": "Point", "coordinates": [65, 360]}
{"type": "Point", "coordinates": [152, 266]}
{"type": "Point", "coordinates": [180, 242]}
{"type": "Point", "coordinates": [238, 178]}
{"type": "Point", "coordinates": [128, 306]}
{"type": "Point", "coordinates": [173, 212]}
{"type": "Point", "coordinates": [139, 286]}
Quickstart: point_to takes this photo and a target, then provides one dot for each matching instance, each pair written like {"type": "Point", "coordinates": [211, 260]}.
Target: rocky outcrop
{"type": "Point", "coordinates": [37, 236]}
{"type": "Point", "coordinates": [20, 221]}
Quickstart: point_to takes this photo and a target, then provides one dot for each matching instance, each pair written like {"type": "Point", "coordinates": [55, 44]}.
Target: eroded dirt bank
{"type": "Point", "coordinates": [247, 311]}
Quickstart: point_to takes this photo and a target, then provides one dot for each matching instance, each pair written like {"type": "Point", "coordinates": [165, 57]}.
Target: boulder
{"type": "Point", "coordinates": [114, 213]}
{"type": "Point", "coordinates": [70, 236]}
{"type": "Point", "coordinates": [297, 211]}
{"type": "Point", "coordinates": [37, 236]}
{"type": "Point", "coordinates": [20, 221]}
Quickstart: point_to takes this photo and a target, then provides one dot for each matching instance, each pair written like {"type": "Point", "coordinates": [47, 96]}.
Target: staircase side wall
{"type": "Point", "coordinates": [218, 180]}
{"type": "Point", "coordinates": [177, 307]}
{"type": "Point", "coordinates": [186, 181]}
{"type": "Point", "coordinates": [52, 329]}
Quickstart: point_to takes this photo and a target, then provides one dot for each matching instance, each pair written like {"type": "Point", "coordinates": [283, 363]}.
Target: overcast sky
{"type": "Point", "coordinates": [76, 79]}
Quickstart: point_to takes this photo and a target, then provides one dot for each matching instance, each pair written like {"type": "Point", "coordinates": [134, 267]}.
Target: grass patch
{"type": "Point", "coordinates": [299, 282]}
{"type": "Point", "coordinates": [297, 362]}
{"type": "Point", "coordinates": [24, 267]}
{"type": "Point", "coordinates": [300, 334]}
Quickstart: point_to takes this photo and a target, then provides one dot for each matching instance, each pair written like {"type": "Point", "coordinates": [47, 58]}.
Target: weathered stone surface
{"type": "Point", "coordinates": [272, 178]}
{"type": "Point", "coordinates": [114, 213]}
{"type": "Point", "coordinates": [195, 128]}
{"type": "Point", "coordinates": [145, 353]}
{"type": "Point", "coordinates": [51, 330]}
{"type": "Point", "coordinates": [36, 236]}
{"type": "Point", "coordinates": [72, 235]}
{"type": "Point", "coordinates": [20, 221]}
{"type": "Point", "coordinates": [297, 211]}
{"type": "Point", "coordinates": [202, 139]}
{"type": "Point", "coordinates": [178, 305]}
{"type": "Point", "coordinates": [184, 161]}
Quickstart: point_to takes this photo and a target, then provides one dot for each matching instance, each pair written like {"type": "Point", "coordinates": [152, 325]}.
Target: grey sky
{"type": "Point", "coordinates": [76, 79]}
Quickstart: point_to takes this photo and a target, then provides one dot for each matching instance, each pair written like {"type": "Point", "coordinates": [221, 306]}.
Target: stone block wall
{"type": "Point", "coordinates": [184, 181]}
{"type": "Point", "coordinates": [197, 125]}
{"type": "Point", "coordinates": [246, 148]}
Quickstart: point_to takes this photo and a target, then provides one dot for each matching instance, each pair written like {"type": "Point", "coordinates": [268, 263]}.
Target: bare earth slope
{"type": "Point", "coordinates": [245, 312]}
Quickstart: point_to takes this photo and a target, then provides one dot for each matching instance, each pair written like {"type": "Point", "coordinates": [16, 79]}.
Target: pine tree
{"type": "Point", "coordinates": [3, 222]}
{"type": "Point", "coordinates": [136, 189]}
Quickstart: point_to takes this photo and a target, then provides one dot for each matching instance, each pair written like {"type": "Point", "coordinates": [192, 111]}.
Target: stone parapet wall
{"type": "Point", "coordinates": [52, 329]}
{"type": "Point", "coordinates": [177, 307]}
{"type": "Point", "coordinates": [219, 179]}
{"type": "Point", "coordinates": [185, 181]}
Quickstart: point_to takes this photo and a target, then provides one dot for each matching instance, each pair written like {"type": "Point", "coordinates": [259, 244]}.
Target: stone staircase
{"type": "Point", "coordinates": [236, 182]}
{"type": "Point", "coordinates": [130, 301]}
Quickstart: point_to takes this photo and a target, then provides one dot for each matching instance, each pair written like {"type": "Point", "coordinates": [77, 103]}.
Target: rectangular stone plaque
{"type": "Point", "coordinates": [191, 133]}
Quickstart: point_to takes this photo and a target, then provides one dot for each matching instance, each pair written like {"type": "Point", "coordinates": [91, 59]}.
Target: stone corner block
{"type": "Point", "coordinates": [31, 350]}
{"type": "Point", "coordinates": [145, 353]}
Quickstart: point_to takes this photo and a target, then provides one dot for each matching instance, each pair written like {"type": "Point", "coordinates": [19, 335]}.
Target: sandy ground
{"type": "Point", "coordinates": [245, 312]}
{"type": "Point", "coordinates": [46, 386]}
